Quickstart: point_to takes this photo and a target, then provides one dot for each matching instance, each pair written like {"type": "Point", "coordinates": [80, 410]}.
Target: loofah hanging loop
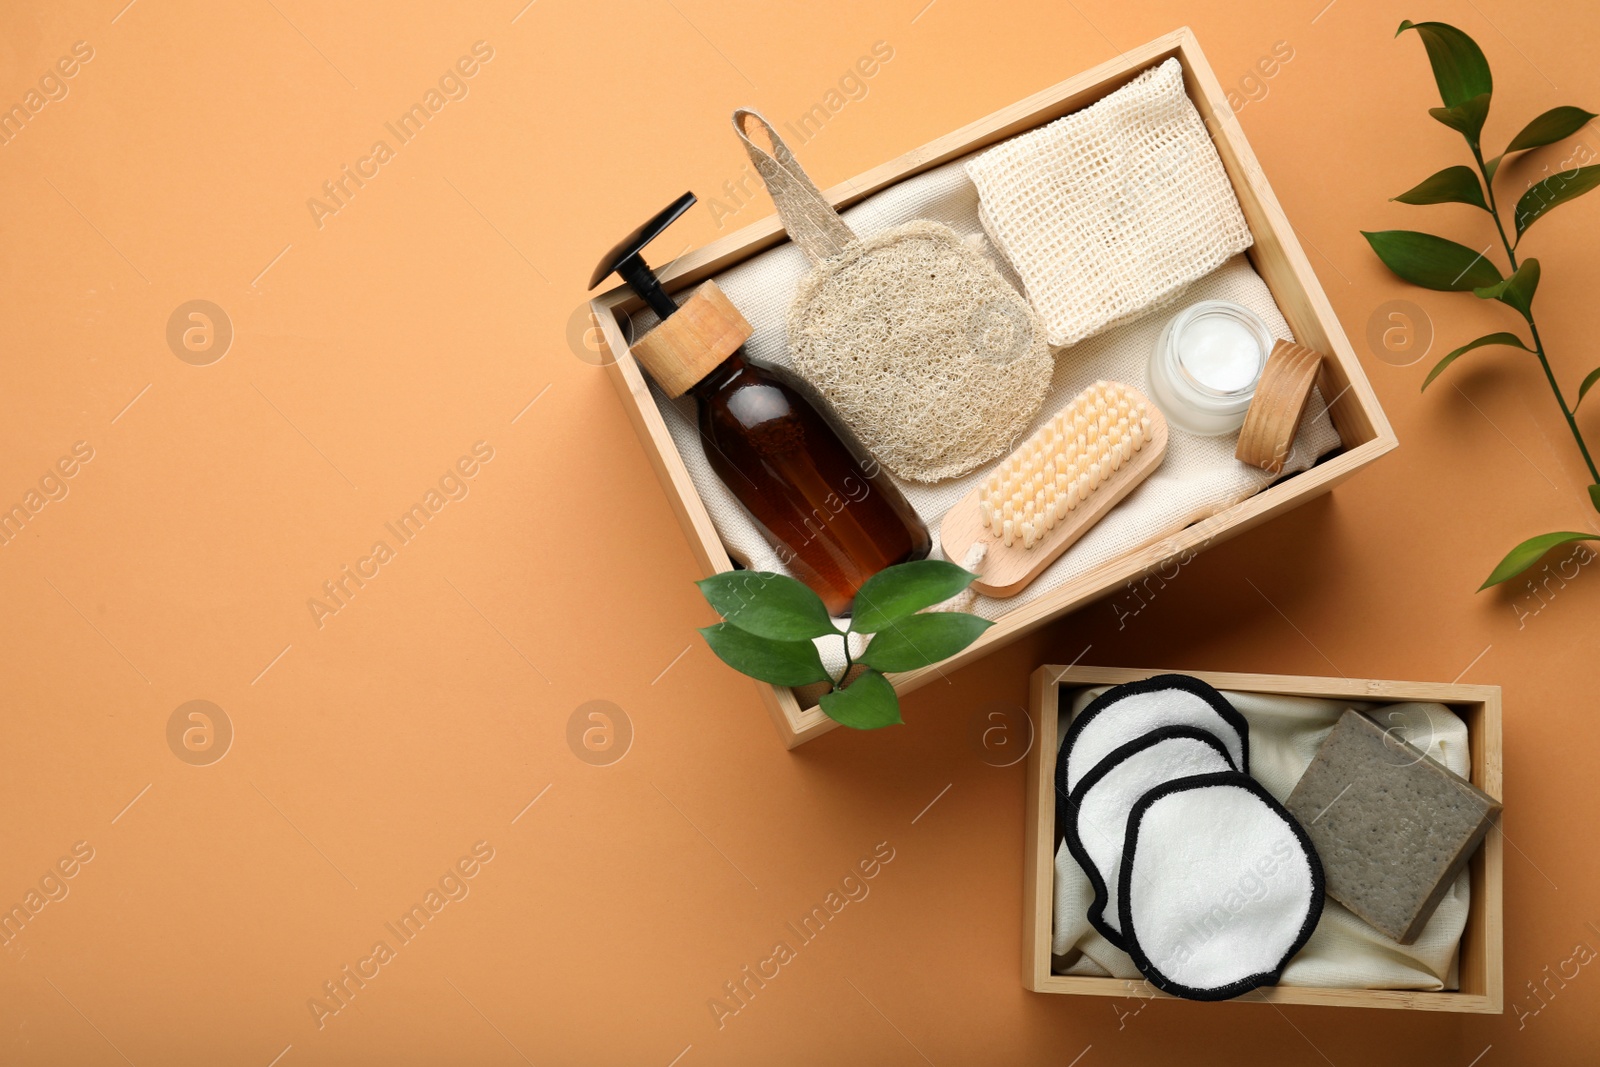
{"type": "Point", "coordinates": [912, 336]}
{"type": "Point", "coordinates": [810, 219]}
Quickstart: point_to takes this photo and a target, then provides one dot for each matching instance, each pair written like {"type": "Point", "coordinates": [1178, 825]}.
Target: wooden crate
{"type": "Point", "coordinates": [1276, 255]}
{"type": "Point", "coordinates": [1482, 966]}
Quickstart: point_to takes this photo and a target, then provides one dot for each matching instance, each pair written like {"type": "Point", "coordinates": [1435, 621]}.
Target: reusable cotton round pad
{"type": "Point", "coordinates": [1097, 819]}
{"type": "Point", "coordinates": [1220, 887]}
{"type": "Point", "coordinates": [1125, 712]}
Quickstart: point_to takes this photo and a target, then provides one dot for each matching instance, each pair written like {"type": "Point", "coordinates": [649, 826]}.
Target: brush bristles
{"type": "Point", "coordinates": [1066, 460]}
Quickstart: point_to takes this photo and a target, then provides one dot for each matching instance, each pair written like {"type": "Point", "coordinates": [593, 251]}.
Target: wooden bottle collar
{"type": "Point", "coordinates": [686, 347]}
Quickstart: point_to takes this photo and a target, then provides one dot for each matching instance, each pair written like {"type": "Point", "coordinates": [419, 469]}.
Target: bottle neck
{"type": "Point", "coordinates": [642, 280]}
{"type": "Point", "coordinates": [720, 376]}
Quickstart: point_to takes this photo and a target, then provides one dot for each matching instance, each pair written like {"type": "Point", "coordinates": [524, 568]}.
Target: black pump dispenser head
{"type": "Point", "coordinates": [627, 259]}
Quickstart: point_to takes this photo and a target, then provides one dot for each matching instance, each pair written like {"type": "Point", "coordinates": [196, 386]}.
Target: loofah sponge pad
{"type": "Point", "coordinates": [922, 348]}
{"type": "Point", "coordinates": [1110, 210]}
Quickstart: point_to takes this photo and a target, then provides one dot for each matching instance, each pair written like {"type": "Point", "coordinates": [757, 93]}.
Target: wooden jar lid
{"type": "Point", "coordinates": [1267, 436]}
{"type": "Point", "coordinates": [687, 346]}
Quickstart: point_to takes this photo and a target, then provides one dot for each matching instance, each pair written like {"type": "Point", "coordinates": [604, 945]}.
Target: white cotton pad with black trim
{"type": "Point", "coordinates": [1220, 887]}
{"type": "Point", "coordinates": [1125, 712]}
{"type": "Point", "coordinates": [1097, 811]}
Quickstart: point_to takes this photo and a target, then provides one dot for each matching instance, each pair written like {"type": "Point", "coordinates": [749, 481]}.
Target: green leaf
{"type": "Point", "coordinates": [867, 703]}
{"type": "Point", "coordinates": [766, 660]}
{"type": "Point", "coordinates": [1510, 339]}
{"type": "Point", "coordinates": [1554, 125]}
{"type": "Point", "coordinates": [1453, 185]}
{"type": "Point", "coordinates": [1466, 119]}
{"type": "Point", "coordinates": [1588, 383]}
{"type": "Point", "coordinates": [1594, 496]}
{"type": "Point", "coordinates": [1432, 262]}
{"type": "Point", "coordinates": [905, 589]}
{"type": "Point", "coordinates": [1516, 291]}
{"type": "Point", "coordinates": [1491, 167]}
{"type": "Point", "coordinates": [1527, 554]}
{"type": "Point", "coordinates": [1459, 66]}
{"type": "Point", "coordinates": [918, 640]}
{"type": "Point", "coordinates": [1553, 192]}
{"type": "Point", "coordinates": [768, 605]}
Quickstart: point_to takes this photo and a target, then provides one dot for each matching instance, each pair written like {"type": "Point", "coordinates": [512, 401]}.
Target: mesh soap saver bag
{"type": "Point", "coordinates": [1110, 210]}
{"type": "Point", "coordinates": [911, 335]}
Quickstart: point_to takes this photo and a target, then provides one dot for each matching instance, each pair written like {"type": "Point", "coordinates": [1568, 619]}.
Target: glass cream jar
{"type": "Point", "coordinates": [1206, 364]}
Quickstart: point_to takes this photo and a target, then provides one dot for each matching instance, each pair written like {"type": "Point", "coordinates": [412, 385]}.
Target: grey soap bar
{"type": "Point", "coordinates": [1392, 827]}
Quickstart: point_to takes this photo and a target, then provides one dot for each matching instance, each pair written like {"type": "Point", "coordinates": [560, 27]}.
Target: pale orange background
{"type": "Point", "coordinates": [371, 753]}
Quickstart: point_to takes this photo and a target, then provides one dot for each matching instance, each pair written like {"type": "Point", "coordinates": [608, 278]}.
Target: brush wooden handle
{"type": "Point", "coordinates": [1007, 571]}
{"type": "Point", "coordinates": [1267, 436]}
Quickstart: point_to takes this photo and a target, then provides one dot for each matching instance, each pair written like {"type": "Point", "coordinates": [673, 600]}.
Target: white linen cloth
{"type": "Point", "coordinates": [1344, 952]}
{"type": "Point", "coordinates": [1198, 477]}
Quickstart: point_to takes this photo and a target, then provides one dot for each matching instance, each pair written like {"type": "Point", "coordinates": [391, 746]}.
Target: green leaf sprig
{"type": "Point", "coordinates": [770, 623]}
{"type": "Point", "coordinates": [1465, 88]}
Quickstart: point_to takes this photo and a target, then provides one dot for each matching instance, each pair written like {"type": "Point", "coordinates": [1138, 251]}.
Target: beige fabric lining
{"type": "Point", "coordinates": [1344, 952]}
{"type": "Point", "coordinates": [1198, 477]}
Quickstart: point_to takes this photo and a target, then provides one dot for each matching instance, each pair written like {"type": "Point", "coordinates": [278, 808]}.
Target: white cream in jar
{"type": "Point", "coordinates": [1206, 364]}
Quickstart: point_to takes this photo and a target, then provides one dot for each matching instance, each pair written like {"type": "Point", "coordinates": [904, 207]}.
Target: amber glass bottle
{"type": "Point", "coordinates": [832, 523]}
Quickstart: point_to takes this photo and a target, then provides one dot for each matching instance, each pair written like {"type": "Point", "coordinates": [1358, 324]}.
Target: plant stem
{"type": "Point", "coordinates": [1494, 210]}
{"type": "Point", "coordinates": [850, 662]}
{"type": "Point", "coordinates": [1572, 421]}
{"type": "Point", "coordinates": [1538, 344]}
